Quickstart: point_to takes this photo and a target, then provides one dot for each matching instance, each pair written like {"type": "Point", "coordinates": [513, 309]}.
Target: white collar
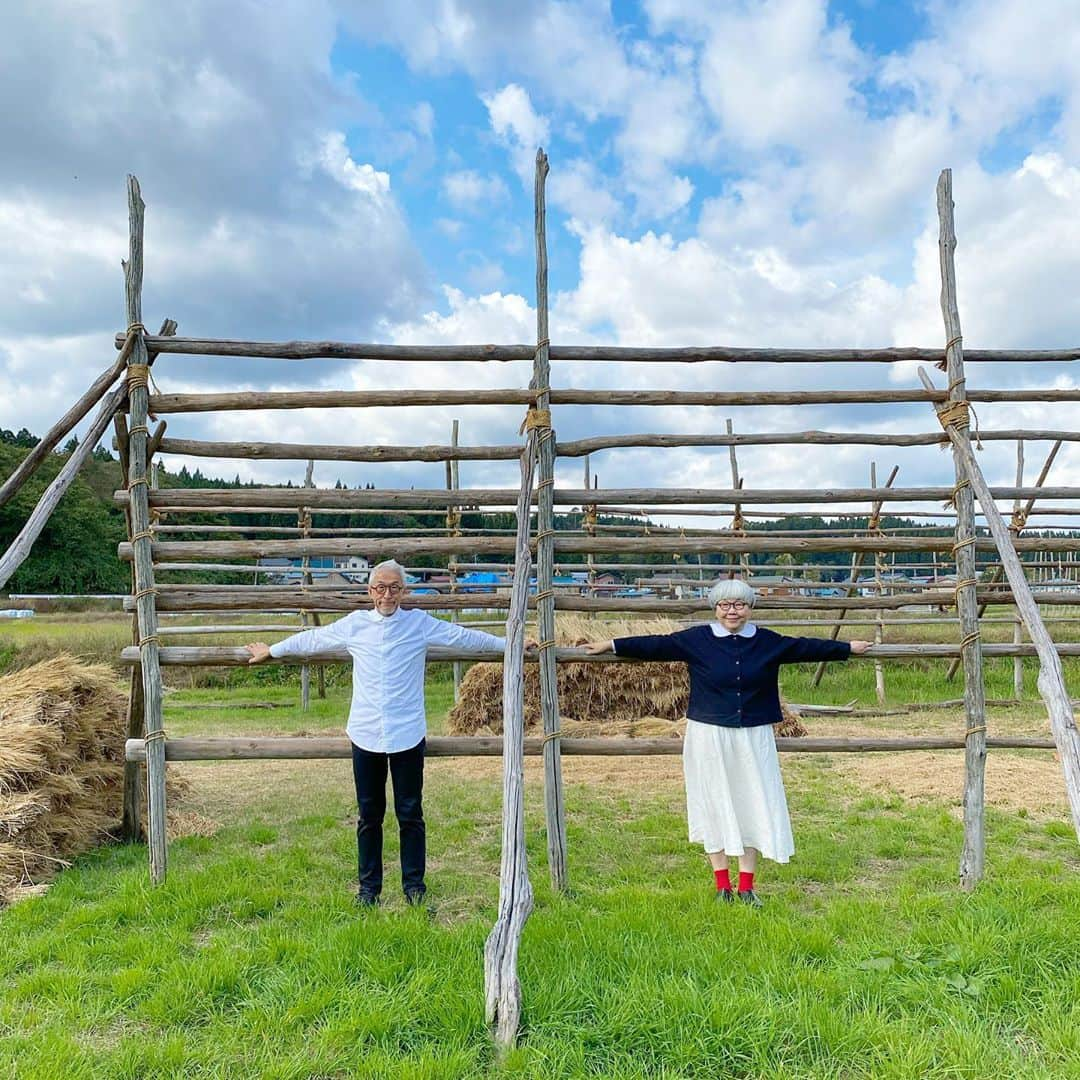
{"type": "Point", "coordinates": [378, 616]}
{"type": "Point", "coordinates": [719, 630]}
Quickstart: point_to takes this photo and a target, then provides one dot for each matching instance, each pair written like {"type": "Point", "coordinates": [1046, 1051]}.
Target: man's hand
{"type": "Point", "coordinates": [531, 644]}
{"type": "Point", "coordinates": [859, 647]}
{"type": "Point", "coordinates": [595, 648]}
{"type": "Point", "coordinates": [259, 651]}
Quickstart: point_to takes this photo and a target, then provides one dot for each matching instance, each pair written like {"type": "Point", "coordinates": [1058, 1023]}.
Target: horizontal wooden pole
{"type": "Point", "coordinates": [326, 747]}
{"type": "Point", "coordinates": [427, 499]}
{"type": "Point", "coordinates": [182, 599]}
{"type": "Point", "coordinates": [226, 656]}
{"type": "Point", "coordinates": [409, 547]}
{"type": "Point", "coordinates": [247, 400]}
{"type": "Point", "coordinates": [340, 350]}
{"type": "Point", "coordinates": [262, 451]}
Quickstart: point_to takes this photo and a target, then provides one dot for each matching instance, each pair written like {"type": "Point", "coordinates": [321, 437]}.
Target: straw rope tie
{"type": "Point", "coordinates": [154, 736]}
{"type": "Point", "coordinates": [551, 736]}
{"type": "Point", "coordinates": [137, 429]}
{"type": "Point", "coordinates": [149, 638]}
{"type": "Point", "coordinates": [137, 481]}
{"type": "Point", "coordinates": [544, 594]}
{"type": "Point", "coordinates": [543, 534]}
{"type": "Point", "coordinates": [974, 730]}
{"type": "Point", "coordinates": [149, 591]}
{"type": "Point", "coordinates": [970, 639]}
{"type": "Point", "coordinates": [142, 534]}
{"type": "Point", "coordinates": [542, 342]}
{"type": "Point", "coordinates": [138, 376]}
{"type": "Point", "coordinates": [547, 481]}
{"type": "Point", "coordinates": [549, 644]}
{"type": "Point", "coordinates": [536, 418]}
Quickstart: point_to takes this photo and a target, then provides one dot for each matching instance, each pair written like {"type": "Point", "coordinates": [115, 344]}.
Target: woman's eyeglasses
{"type": "Point", "coordinates": [732, 605]}
{"type": "Point", "coordinates": [382, 590]}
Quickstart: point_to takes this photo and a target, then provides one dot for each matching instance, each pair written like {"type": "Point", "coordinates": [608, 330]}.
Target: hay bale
{"type": "Point", "coordinates": [62, 730]}
{"type": "Point", "coordinates": [595, 700]}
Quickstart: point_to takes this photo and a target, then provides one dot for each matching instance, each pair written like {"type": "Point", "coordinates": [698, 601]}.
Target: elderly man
{"type": "Point", "coordinates": [387, 723]}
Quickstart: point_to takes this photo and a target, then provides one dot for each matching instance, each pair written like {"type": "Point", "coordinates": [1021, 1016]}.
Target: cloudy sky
{"type": "Point", "coordinates": [740, 173]}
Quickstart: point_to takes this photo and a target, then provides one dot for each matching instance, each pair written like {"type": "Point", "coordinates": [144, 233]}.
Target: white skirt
{"type": "Point", "coordinates": [734, 791]}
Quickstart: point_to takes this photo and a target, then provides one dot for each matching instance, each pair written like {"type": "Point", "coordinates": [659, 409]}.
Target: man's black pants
{"type": "Point", "coordinates": [369, 775]}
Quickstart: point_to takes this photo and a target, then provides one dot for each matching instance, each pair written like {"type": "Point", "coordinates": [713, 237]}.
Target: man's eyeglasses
{"type": "Point", "coordinates": [733, 605]}
{"type": "Point", "coordinates": [382, 590]}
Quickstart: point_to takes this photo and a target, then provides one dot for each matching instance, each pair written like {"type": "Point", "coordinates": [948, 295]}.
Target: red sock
{"type": "Point", "coordinates": [746, 881]}
{"type": "Point", "coordinates": [723, 880]}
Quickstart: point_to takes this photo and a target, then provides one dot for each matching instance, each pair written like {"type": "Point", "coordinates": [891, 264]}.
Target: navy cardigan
{"type": "Point", "coordinates": [733, 679]}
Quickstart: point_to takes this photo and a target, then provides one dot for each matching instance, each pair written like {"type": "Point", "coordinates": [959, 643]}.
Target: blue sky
{"type": "Point", "coordinates": [737, 172]}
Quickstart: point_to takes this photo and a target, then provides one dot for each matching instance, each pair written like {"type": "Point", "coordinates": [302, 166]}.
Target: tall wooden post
{"type": "Point", "coordinates": [973, 854]}
{"type": "Point", "coordinates": [545, 552]}
{"type": "Point", "coordinates": [737, 523]}
{"type": "Point", "coordinates": [139, 511]}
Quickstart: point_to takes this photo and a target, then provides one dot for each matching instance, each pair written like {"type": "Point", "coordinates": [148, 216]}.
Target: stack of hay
{"type": "Point", "coordinates": [62, 731]}
{"type": "Point", "coordinates": [625, 700]}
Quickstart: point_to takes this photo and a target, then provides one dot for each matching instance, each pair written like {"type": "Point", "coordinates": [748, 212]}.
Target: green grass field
{"type": "Point", "coordinates": [252, 960]}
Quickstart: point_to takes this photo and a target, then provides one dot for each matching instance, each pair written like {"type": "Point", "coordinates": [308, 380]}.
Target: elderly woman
{"type": "Point", "coordinates": [735, 800]}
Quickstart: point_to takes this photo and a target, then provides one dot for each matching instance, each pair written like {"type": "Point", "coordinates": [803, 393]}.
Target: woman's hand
{"type": "Point", "coordinates": [859, 647]}
{"type": "Point", "coordinates": [595, 648]}
{"type": "Point", "coordinates": [259, 652]}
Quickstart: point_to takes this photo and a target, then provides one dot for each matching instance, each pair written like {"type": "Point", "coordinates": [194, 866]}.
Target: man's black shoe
{"type": "Point", "coordinates": [416, 898]}
{"type": "Point", "coordinates": [367, 899]}
{"type": "Point", "coordinates": [750, 897]}
{"type": "Point", "coordinates": [725, 896]}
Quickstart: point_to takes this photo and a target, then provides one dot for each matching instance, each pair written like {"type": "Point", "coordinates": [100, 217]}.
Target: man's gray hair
{"type": "Point", "coordinates": [390, 565]}
{"type": "Point", "coordinates": [731, 589]}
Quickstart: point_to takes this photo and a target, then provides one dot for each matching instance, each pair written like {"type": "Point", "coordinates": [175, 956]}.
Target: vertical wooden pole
{"type": "Point", "coordinates": [554, 811]}
{"type": "Point", "coordinates": [973, 854]}
{"type": "Point", "coordinates": [589, 521]}
{"type": "Point", "coordinates": [737, 524]}
{"type": "Point", "coordinates": [502, 988]}
{"type": "Point", "coordinates": [304, 521]}
{"type": "Point", "coordinates": [1018, 661]}
{"type": "Point", "coordinates": [852, 586]}
{"type": "Point", "coordinates": [453, 528]}
{"type": "Point", "coordinates": [879, 627]}
{"type": "Point", "coordinates": [139, 510]}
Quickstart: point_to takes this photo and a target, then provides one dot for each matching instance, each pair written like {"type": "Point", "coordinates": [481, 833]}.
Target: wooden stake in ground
{"type": "Point", "coordinates": [554, 812]}
{"type": "Point", "coordinates": [1051, 679]}
{"type": "Point", "coordinates": [879, 629]}
{"type": "Point", "coordinates": [502, 989]}
{"type": "Point", "coordinates": [304, 521]}
{"type": "Point", "coordinates": [972, 856]}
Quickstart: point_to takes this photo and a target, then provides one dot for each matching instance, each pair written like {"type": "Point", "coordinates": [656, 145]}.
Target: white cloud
{"type": "Point", "coordinates": [469, 190]}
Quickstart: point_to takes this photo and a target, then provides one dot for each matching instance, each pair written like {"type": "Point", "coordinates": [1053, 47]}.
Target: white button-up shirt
{"type": "Point", "coordinates": [388, 652]}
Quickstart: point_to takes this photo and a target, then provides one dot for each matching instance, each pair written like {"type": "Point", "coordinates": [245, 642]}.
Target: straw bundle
{"type": "Point", "coordinates": [62, 730]}
{"type": "Point", "coordinates": [635, 701]}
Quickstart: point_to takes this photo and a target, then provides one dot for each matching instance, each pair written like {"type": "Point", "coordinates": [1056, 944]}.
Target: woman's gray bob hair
{"type": "Point", "coordinates": [731, 589]}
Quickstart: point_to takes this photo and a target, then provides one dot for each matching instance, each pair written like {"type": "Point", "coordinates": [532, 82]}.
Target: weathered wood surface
{"type": "Point", "coordinates": [51, 439]}
{"type": "Point", "coordinates": [322, 747]}
{"type": "Point", "coordinates": [139, 516]}
{"type": "Point", "coordinates": [360, 399]}
{"type": "Point", "coordinates": [1051, 681]}
{"type": "Point", "coordinates": [430, 499]}
{"type": "Point", "coordinates": [502, 988]}
{"type": "Point", "coordinates": [178, 598]}
{"type": "Point", "coordinates": [228, 656]}
{"type": "Point", "coordinates": [972, 857]}
{"type": "Point", "coordinates": [575, 447]}
{"type": "Point", "coordinates": [20, 547]}
{"type": "Point", "coordinates": [339, 350]}
{"type": "Point", "coordinates": [554, 811]}
{"type": "Point", "coordinates": [409, 547]}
